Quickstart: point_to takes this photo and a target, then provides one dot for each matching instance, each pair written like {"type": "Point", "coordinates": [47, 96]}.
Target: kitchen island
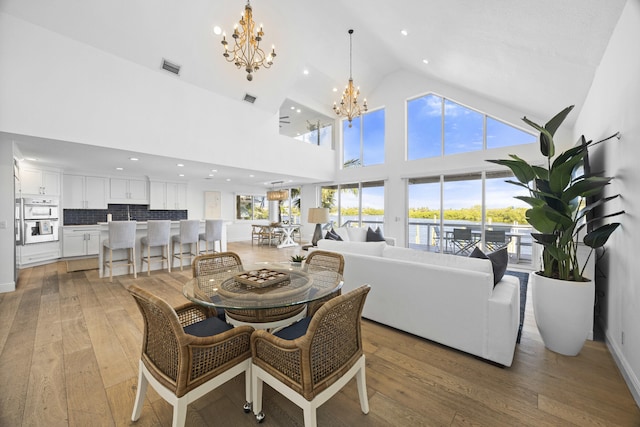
{"type": "Point", "coordinates": [141, 231]}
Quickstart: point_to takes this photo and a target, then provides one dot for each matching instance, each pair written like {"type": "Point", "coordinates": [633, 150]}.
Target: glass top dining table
{"type": "Point", "coordinates": [263, 286]}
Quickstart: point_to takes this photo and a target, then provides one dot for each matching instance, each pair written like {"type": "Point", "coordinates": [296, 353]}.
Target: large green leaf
{"type": "Point", "coordinates": [560, 176]}
{"type": "Point", "coordinates": [541, 172]}
{"type": "Point", "coordinates": [546, 139]}
{"type": "Point", "coordinates": [557, 253]}
{"type": "Point", "coordinates": [579, 148]}
{"type": "Point", "coordinates": [547, 220]}
{"type": "Point", "coordinates": [545, 239]}
{"type": "Point", "coordinates": [521, 169]}
{"type": "Point", "coordinates": [598, 237]}
{"type": "Point", "coordinates": [589, 186]}
{"type": "Point", "coordinates": [591, 206]}
{"type": "Point", "coordinates": [553, 124]}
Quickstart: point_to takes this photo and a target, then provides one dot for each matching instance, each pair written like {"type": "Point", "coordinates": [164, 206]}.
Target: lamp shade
{"type": "Point", "coordinates": [318, 215]}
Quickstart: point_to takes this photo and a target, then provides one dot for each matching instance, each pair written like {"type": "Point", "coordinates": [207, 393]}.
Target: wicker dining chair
{"type": "Point", "coordinates": [310, 361]}
{"type": "Point", "coordinates": [329, 260]}
{"type": "Point", "coordinates": [186, 353]}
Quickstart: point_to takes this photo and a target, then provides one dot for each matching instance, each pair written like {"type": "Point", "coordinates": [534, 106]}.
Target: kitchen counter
{"type": "Point", "coordinates": [141, 231]}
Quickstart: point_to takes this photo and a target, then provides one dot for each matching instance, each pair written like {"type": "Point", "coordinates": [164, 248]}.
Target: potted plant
{"type": "Point", "coordinates": [560, 210]}
{"type": "Point", "coordinates": [297, 259]}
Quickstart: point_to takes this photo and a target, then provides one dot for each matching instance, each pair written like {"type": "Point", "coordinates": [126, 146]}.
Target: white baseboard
{"type": "Point", "coordinates": [7, 287]}
{"type": "Point", "coordinates": [625, 369]}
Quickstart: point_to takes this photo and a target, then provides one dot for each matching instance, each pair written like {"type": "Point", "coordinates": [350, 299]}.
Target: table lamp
{"type": "Point", "coordinates": [318, 216]}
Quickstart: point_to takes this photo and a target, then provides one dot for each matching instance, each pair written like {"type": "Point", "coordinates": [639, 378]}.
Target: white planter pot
{"type": "Point", "coordinates": [563, 311]}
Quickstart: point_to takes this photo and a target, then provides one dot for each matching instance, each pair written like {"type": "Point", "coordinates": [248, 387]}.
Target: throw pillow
{"type": "Point", "coordinates": [375, 236]}
{"type": "Point", "coordinates": [332, 235]}
{"type": "Point", "coordinates": [499, 260]}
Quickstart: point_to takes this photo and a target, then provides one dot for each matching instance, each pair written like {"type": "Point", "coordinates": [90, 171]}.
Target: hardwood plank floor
{"type": "Point", "coordinates": [70, 344]}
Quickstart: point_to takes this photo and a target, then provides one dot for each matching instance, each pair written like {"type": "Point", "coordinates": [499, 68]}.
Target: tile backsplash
{"type": "Point", "coordinates": [119, 213]}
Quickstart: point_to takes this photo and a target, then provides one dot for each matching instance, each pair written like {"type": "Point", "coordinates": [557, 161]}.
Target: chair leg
{"type": "Point", "coordinates": [180, 413]}
{"type": "Point", "coordinates": [309, 415]}
{"type": "Point", "coordinates": [140, 394]}
{"type": "Point", "coordinates": [169, 262]}
{"type": "Point", "coordinates": [110, 265]}
{"type": "Point", "coordinates": [133, 261]}
{"type": "Point", "coordinates": [256, 392]}
{"type": "Point", "coordinates": [361, 382]}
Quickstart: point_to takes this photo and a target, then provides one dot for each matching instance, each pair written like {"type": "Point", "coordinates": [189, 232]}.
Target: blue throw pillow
{"type": "Point", "coordinates": [499, 260]}
{"type": "Point", "coordinates": [375, 236]}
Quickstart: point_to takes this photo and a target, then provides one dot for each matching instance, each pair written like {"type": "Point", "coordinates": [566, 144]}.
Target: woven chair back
{"type": "Point", "coordinates": [211, 264]}
{"type": "Point", "coordinates": [336, 337]}
{"type": "Point", "coordinates": [331, 260]}
{"type": "Point", "coordinates": [160, 344]}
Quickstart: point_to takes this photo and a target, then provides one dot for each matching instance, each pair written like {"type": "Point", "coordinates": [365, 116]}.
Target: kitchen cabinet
{"type": "Point", "coordinates": [43, 182]}
{"type": "Point", "coordinates": [167, 195]}
{"type": "Point", "coordinates": [39, 253]}
{"type": "Point", "coordinates": [84, 192]}
{"type": "Point", "coordinates": [130, 191]}
{"type": "Point", "coordinates": [80, 241]}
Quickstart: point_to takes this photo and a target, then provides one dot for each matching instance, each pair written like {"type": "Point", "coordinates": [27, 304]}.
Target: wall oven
{"type": "Point", "coordinates": [40, 217]}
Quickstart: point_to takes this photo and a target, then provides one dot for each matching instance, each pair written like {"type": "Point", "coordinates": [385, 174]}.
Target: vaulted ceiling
{"type": "Point", "coordinates": [527, 55]}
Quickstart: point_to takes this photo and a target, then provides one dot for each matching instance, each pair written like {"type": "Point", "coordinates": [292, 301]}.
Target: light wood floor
{"type": "Point", "coordinates": [70, 343]}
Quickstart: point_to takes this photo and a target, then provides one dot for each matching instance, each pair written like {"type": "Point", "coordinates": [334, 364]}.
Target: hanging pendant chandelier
{"type": "Point", "coordinates": [246, 52]}
{"type": "Point", "coordinates": [274, 194]}
{"type": "Point", "coordinates": [349, 107]}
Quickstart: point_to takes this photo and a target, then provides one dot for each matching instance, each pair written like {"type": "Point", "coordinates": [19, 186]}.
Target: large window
{"type": "Point", "coordinates": [290, 208]}
{"type": "Point", "coordinates": [437, 126]}
{"type": "Point", "coordinates": [251, 207]}
{"type": "Point", "coordinates": [456, 213]}
{"type": "Point", "coordinates": [363, 142]}
{"type": "Point", "coordinates": [356, 204]}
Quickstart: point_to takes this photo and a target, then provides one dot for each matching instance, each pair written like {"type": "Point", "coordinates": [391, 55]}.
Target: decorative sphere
{"type": "Point", "coordinates": [249, 76]}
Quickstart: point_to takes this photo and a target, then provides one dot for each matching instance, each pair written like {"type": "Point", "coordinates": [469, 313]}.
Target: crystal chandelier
{"type": "Point", "coordinates": [246, 51]}
{"type": "Point", "coordinates": [349, 107]}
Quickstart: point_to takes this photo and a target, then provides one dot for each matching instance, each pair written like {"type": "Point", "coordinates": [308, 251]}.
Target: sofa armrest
{"type": "Point", "coordinates": [391, 241]}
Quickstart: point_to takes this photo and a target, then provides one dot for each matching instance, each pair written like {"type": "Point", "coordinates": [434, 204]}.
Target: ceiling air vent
{"type": "Point", "coordinates": [170, 67]}
{"type": "Point", "coordinates": [249, 98]}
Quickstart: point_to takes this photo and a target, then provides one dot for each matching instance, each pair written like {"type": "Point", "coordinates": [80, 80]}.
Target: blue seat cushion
{"type": "Point", "coordinates": [294, 331]}
{"type": "Point", "coordinates": [206, 328]}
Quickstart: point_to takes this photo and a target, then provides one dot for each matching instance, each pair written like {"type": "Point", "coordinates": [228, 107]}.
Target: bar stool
{"type": "Point", "coordinates": [122, 235]}
{"type": "Point", "coordinates": [158, 234]}
{"type": "Point", "coordinates": [189, 234]}
{"type": "Point", "coordinates": [212, 233]}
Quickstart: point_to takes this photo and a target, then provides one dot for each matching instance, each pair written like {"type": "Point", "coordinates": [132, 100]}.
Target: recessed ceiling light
{"type": "Point", "coordinates": [180, 165]}
{"type": "Point", "coordinates": [251, 176]}
{"type": "Point", "coordinates": [119, 169]}
{"type": "Point", "coordinates": [426, 61]}
{"type": "Point", "coordinates": [217, 30]}
{"type": "Point", "coordinates": [293, 108]}
{"type": "Point", "coordinates": [134, 159]}
{"type": "Point", "coordinates": [228, 179]}
{"type": "Point", "coordinates": [214, 170]}
{"type": "Point", "coordinates": [210, 174]}
{"type": "Point", "coordinates": [298, 110]}
{"type": "Point", "coordinates": [335, 89]}
{"type": "Point", "coordinates": [305, 72]}
{"type": "Point", "coordinates": [180, 174]}
{"type": "Point", "coordinates": [404, 32]}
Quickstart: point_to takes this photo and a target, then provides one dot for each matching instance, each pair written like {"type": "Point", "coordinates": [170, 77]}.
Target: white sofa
{"type": "Point", "coordinates": [445, 298]}
{"type": "Point", "coordinates": [358, 234]}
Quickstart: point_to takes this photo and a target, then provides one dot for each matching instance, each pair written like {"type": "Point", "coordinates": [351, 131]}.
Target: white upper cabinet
{"type": "Point", "coordinates": [43, 182]}
{"type": "Point", "coordinates": [130, 191]}
{"type": "Point", "coordinates": [167, 195]}
{"type": "Point", "coordinates": [84, 192]}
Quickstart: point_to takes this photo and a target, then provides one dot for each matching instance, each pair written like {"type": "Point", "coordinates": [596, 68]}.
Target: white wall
{"type": "Point", "coordinates": [613, 104]}
{"type": "Point", "coordinates": [54, 87]}
{"type": "Point", "coordinates": [7, 237]}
